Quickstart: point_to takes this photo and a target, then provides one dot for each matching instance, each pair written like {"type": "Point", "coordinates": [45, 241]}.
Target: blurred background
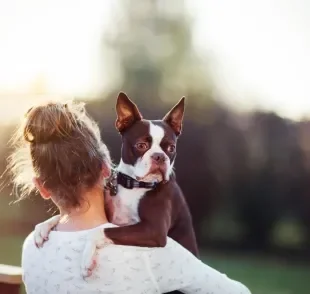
{"type": "Point", "coordinates": [244, 155]}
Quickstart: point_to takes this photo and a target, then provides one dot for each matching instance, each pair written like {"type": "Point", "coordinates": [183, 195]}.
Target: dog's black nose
{"type": "Point", "coordinates": [159, 157]}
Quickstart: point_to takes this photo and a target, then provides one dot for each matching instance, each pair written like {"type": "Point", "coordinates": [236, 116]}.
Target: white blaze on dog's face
{"type": "Point", "coordinates": [149, 146]}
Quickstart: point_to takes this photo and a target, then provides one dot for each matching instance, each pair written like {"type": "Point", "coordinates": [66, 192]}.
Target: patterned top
{"type": "Point", "coordinates": [55, 269]}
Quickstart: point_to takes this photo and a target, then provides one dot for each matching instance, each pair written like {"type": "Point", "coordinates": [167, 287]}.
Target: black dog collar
{"type": "Point", "coordinates": [127, 182]}
{"type": "Point", "coordinates": [130, 183]}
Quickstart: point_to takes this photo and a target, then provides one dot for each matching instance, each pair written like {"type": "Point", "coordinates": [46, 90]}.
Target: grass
{"type": "Point", "coordinates": [260, 275]}
{"type": "Point", "coordinates": [10, 250]}
{"type": "Point", "coordinates": [263, 276]}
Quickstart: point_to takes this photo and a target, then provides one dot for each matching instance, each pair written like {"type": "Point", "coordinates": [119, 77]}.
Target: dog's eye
{"type": "Point", "coordinates": [171, 148]}
{"type": "Point", "coordinates": [142, 146]}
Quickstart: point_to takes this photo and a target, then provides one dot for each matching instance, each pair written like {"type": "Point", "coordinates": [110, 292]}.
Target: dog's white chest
{"type": "Point", "coordinates": [126, 204]}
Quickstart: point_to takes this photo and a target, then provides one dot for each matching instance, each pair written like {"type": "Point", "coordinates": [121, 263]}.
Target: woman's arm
{"type": "Point", "coordinates": [175, 268]}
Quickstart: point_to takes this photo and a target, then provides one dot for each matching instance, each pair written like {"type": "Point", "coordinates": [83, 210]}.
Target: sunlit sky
{"type": "Point", "coordinates": [263, 51]}
{"type": "Point", "coordinates": [261, 48]}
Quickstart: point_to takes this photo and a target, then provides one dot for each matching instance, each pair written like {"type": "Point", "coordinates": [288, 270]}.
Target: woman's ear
{"type": "Point", "coordinates": [106, 170]}
{"type": "Point", "coordinates": [44, 193]}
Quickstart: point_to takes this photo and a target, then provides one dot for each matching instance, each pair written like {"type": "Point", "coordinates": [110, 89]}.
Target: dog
{"type": "Point", "coordinates": [149, 204]}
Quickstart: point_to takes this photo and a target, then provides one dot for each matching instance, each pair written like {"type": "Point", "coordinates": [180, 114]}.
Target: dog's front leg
{"type": "Point", "coordinates": [142, 234]}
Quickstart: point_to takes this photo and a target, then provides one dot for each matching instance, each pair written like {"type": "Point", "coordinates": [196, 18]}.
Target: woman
{"type": "Point", "coordinates": [59, 153]}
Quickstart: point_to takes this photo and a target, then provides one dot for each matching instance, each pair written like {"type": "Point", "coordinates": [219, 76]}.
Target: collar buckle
{"type": "Point", "coordinates": [129, 183]}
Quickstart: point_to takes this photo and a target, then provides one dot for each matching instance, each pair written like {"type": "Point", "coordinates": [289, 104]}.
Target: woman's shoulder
{"type": "Point", "coordinates": [28, 250]}
{"type": "Point", "coordinates": [29, 241]}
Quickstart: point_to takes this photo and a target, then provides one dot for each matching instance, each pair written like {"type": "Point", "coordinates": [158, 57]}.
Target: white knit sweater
{"type": "Point", "coordinates": [55, 269]}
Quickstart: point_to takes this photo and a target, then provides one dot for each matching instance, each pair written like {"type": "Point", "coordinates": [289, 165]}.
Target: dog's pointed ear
{"type": "Point", "coordinates": [174, 117]}
{"type": "Point", "coordinates": [127, 112]}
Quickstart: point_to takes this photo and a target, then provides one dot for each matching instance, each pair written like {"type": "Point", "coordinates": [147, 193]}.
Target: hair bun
{"type": "Point", "coordinates": [48, 123]}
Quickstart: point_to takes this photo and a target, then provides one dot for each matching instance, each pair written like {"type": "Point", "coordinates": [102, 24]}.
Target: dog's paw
{"type": "Point", "coordinates": [42, 230]}
{"type": "Point", "coordinates": [40, 234]}
{"type": "Point", "coordinates": [96, 240]}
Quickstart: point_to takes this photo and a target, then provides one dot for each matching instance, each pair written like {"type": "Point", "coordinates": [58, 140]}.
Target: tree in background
{"type": "Point", "coordinates": [153, 48]}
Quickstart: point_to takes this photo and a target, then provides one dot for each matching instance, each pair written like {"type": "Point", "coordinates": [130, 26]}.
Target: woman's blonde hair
{"type": "Point", "coordinates": [60, 145]}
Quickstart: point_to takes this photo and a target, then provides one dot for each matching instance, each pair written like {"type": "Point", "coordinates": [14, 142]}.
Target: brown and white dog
{"type": "Point", "coordinates": [149, 204]}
